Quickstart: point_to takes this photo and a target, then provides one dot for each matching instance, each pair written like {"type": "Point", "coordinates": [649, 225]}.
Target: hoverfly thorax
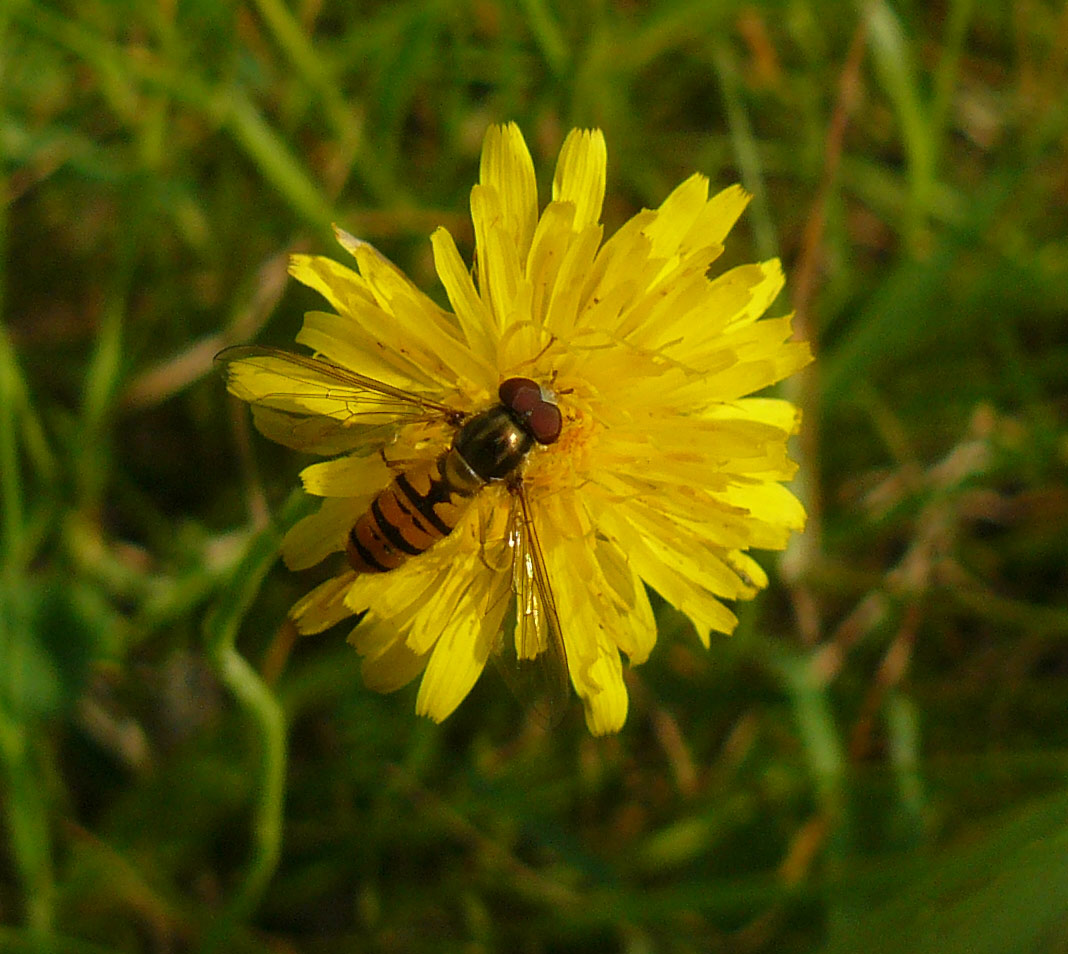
{"type": "Point", "coordinates": [495, 442]}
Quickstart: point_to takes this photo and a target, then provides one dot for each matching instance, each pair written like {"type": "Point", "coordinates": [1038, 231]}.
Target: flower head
{"type": "Point", "coordinates": [665, 472]}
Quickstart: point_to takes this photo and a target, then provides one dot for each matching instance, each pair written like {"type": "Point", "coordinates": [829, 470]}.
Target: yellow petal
{"type": "Point", "coordinates": [599, 597]}
{"type": "Point", "coordinates": [748, 569]}
{"type": "Point", "coordinates": [391, 665]}
{"type": "Point", "coordinates": [351, 476]}
{"type": "Point", "coordinates": [313, 539]}
{"type": "Point", "coordinates": [634, 631]}
{"type": "Point", "coordinates": [470, 310]}
{"type": "Point", "coordinates": [687, 315]}
{"type": "Point", "coordinates": [762, 292]}
{"type": "Point", "coordinates": [459, 657]}
{"type": "Point", "coordinates": [703, 453]}
{"type": "Point", "coordinates": [566, 562]}
{"type": "Point", "coordinates": [746, 377]}
{"type": "Point", "coordinates": [400, 596]}
{"type": "Point", "coordinates": [674, 573]}
{"type": "Point", "coordinates": [362, 341]}
{"type": "Point", "coordinates": [580, 175]}
{"type": "Point", "coordinates": [623, 263]}
{"type": "Point", "coordinates": [410, 320]}
{"type": "Point", "coordinates": [712, 517]}
{"type": "Point", "coordinates": [339, 285]}
{"type": "Point", "coordinates": [717, 217]}
{"type": "Point", "coordinates": [776, 513]}
{"type": "Point", "coordinates": [676, 217]}
{"type": "Point", "coordinates": [604, 698]}
{"type": "Point", "coordinates": [563, 307]}
{"type": "Point", "coordinates": [507, 168]}
{"type": "Point", "coordinates": [671, 314]}
{"type": "Point", "coordinates": [324, 606]}
{"type": "Point", "coordinates": [450, 601]}
{"type": "Point", "coordinates": [498, 262]}
{"type": "Point", "coordinates": [547, 250]}
{"type": "Point", "coordinates": [775, 412]}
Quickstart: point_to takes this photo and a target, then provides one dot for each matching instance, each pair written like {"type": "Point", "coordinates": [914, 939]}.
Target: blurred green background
{"type": "Point", "coordinates": [876, 761]}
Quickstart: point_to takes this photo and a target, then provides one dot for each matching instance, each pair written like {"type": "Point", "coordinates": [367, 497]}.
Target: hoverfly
{"type": "Point", "coordinates": [426, 499]}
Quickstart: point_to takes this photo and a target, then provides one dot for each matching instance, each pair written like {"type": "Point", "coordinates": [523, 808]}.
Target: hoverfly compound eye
{"type": "Point", "coordinates": [534, 407]}
{"type": "Point", "coordinates": [545, 422]}
{"type": "Point", "coordinates": [519, 394]}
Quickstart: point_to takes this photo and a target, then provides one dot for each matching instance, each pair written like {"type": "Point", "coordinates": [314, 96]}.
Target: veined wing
{"type": "Point", "coordinates": [302, 384]}
{"type": "Point", "coordinates": [534, 661]}
{"type": "Point", "coordinates": [313, 404]}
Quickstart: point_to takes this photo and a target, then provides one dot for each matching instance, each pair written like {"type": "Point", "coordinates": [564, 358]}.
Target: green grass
{"type": "Point", "coordinates": [876, 761]}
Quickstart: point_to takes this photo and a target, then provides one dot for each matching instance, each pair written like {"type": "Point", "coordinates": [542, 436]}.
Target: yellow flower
{"type": "Point", "coordinates": [665, 471]}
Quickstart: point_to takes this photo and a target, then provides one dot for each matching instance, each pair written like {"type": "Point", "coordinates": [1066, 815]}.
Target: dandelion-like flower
{"type": "Point", "coordinates": [662, 471]}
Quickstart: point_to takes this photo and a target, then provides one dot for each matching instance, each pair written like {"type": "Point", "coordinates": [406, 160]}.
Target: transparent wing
{"type": "Point", "coordinates": [534, 661]}
{"type": "Point", "coordinates": [313, 404]}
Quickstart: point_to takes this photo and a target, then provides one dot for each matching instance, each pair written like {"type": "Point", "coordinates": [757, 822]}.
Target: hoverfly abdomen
{"type": "Point", "coordinates": [418, 508]}
{"type": "Point", "coordinates": [424, 504]}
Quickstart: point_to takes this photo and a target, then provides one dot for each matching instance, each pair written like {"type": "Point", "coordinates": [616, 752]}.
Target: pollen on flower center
{"type": "Point", "coordinates": [567, 460]}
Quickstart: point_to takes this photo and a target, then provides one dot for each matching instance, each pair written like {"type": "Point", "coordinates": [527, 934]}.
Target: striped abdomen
{"type": "Point", "coordinates": [417, 509]}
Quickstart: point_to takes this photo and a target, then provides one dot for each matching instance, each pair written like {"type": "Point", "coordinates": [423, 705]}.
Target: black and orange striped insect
{"type": "Point", "coordinates": [426, 499]}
